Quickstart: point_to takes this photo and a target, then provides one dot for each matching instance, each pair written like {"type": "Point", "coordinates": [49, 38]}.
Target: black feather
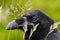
{"type": "Point", "coordinates": [34, 17]}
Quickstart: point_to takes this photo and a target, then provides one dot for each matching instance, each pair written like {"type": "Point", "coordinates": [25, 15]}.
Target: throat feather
{"type": "Point", "coordinates": [34, 29]}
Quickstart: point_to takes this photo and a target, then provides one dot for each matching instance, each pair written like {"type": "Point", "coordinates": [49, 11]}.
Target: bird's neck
{"type": "Point", "coordinates": [39, 34]}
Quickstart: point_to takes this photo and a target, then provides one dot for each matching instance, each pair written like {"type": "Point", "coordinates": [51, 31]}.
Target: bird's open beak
{"type": "Point", "coordinates": [13, 25]}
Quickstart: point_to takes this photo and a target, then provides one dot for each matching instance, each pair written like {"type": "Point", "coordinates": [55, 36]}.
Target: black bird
{"type": "Point", "coordinates": [36, 25]}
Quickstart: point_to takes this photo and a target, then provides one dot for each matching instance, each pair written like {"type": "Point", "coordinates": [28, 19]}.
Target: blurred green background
{"type": "Point", "coordinates": [12, 9]}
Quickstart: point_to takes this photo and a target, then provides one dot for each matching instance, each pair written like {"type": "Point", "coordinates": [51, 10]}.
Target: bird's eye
{"type": "Point", "coordinates": [34, 19]}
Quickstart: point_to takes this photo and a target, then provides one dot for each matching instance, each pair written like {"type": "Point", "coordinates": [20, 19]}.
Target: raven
{"type": "Point", "coordinates": [36, 25]}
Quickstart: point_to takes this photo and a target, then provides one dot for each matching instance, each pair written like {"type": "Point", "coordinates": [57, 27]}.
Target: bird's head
{"type": "Point", "coordinates": [27, 21]}
{"type": "Point", "coordinates": [34, 20]}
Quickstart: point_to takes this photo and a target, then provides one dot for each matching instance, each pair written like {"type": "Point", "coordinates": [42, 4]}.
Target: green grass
{"type": "Point", "coordinates": [10, 35]}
